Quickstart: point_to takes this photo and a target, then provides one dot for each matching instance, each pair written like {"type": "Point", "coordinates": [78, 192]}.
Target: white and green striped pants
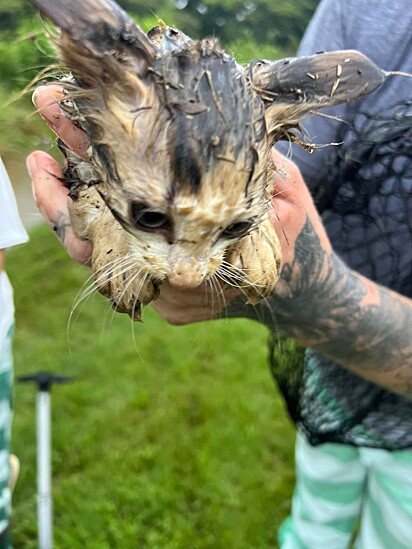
{"type": "Point", "coordinates": [340, 487]}
{"type": "Point", "coordinates": [6, 385]}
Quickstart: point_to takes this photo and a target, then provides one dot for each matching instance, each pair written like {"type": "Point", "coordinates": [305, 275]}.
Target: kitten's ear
{"type": "Point", "coordinates": [96, 33]}
{"type": "Point", "coordinates": [292, 88]}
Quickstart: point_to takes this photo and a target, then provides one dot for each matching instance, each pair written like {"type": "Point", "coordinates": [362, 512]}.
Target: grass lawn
{"type": "Point", "coordinates": [168, 438]}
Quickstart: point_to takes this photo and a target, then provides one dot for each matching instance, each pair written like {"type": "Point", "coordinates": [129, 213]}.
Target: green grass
{"type": "Point", "coordinates": [168, 438]}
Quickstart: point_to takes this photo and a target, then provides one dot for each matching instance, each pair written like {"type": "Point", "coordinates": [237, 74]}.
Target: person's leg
{"type": "Point", "coordinates": [328, 497]}
{"type": "Point", "coordinates": [6, 381]}
{"type": "Point", "coordinates": [386, 521]}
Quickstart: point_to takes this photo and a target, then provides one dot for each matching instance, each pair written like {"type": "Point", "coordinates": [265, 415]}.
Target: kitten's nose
{"type": "Point", "coordinates": [186, 274]}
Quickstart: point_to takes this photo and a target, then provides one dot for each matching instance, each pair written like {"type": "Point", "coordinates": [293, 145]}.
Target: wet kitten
{"type": "Point", "coordinates": [178, 181]}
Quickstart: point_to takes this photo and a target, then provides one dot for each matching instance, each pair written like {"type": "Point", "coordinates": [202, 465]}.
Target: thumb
{"type": "Point", "coordinates": [51, 198]}
{"type": "Point", "coordinates": [49, 192]}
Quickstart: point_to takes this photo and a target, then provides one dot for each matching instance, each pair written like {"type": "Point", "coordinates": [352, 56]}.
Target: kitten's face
{"type": "Point", "coordinates": [182, 233]}
{"type": "Point", "coordinates": [184, 187]}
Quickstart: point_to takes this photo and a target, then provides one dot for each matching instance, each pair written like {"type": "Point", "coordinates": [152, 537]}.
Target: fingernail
{"type": "Point", "coordinates": [48, 106]}
{"type": "Point", "coordinates": [31, 165]}
{"type": "Point", "coordinates": [48, 91]}
{"type": "Point", "coordinates": [35, 95]}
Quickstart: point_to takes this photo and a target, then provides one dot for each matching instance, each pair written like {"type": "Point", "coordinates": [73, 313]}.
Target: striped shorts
{"type": "Point", "coordinates": [6, 387]}
{"type": "Point", "coordinates": [340, 490]}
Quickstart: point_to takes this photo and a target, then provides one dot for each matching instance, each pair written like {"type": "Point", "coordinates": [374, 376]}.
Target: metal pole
{"type": "Point", "coordinates": [44, 381]}
{"type": "Point", "coordinates": [44, 499]}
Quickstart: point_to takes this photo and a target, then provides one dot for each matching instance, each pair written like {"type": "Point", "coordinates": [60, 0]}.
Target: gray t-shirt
{"type": "Point", "coordinates": [368, 218]}
{"type": "Point", "coordinates": [381, 30]}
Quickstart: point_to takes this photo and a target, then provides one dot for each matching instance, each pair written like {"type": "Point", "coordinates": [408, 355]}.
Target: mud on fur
{"type": "Point", "coordinates": [178, 180]}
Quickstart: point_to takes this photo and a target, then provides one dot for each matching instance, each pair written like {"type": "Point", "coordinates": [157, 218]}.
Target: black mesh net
{"type": "Point", "coordinates": [366, 205]}
{"type": "Point", "coordinates": [367, 200]}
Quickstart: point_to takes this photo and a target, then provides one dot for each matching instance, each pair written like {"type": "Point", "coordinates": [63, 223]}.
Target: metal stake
{"type": "Point", "coordinates": [44, 381]}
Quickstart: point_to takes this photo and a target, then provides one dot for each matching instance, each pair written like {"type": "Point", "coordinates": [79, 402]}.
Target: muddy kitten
{"type": "Point", "coordinates": [178, 180]}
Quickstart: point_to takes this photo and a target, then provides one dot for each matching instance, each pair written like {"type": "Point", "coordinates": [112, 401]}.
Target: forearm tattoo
{"type": "Point", "coordinates": [322, 303]}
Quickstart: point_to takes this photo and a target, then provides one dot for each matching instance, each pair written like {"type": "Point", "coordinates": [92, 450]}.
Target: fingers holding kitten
{"type": "Point", "coordinates": [47, 100]}
{"type": "Point", "coordinates": [50, 195]}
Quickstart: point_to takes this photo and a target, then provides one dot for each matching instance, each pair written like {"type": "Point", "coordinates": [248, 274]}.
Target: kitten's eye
{"type": "Point", "coordinates": [147, 219]}
{"type": "Point", "coordinates": [236, 229]}
{"type": "Point", "coordinates": [153, 220]}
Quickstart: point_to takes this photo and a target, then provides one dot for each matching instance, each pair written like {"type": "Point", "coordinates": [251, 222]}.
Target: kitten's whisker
{"type": "Point", "coordinates": [278, 193]}
{"type": "Point", "coordinates": [90, 286]}
{"type": "Point", "coordinates": [136, 301]}
{"type": "Point", "coordinates": [274, 325]}
{"type": "Point", "coordinates": [214, 286]}
{"type": "Point", "coordinates": [127, 285]}
{"type": "Point", "coordinates": [220, 295]}
{"type": "Point", "coordinates": [86, 290]}
{"type": "Point", "coordinates": [75, 308]}
{"type": "Point", "coordinates": [232, 274]}
{"type": "Point", "coordinates": [257, 307]}
{"type": "Point", "coordinates": [142, 282]}
{"type": "Point", "coordinates": [233, 271]}
{"type": "Point", "coordinates": [114, 263]}
{"type": "Point", "coordinates": [240, 282]}
{"type": "Point", "coordinates": [113, 273]}
{"type": "Point", "coordinates": [226, 268]}
{"type": "Point", "coordinates": [210, 293]}
{"type": "Point", "coordinates": [232, 284]}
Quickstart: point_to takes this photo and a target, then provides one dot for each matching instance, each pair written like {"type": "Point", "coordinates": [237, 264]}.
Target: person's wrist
{"type": "Point", "coordinates": [308, 305]}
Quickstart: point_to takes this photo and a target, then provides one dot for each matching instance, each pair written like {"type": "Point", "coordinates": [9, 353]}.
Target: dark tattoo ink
{"type": "Point", "coordinates": [323, 304]}
{"type": "Point", "coordinates": [60, 226]}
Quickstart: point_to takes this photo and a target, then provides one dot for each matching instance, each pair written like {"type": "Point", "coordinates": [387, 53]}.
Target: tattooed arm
{"type": "Point", "coordinates": [319, 301]}
{"type": "Point", "coordinates": [347, 318]}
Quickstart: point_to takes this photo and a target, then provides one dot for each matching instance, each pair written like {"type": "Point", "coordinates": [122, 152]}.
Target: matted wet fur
{"type": "Point", "coordinates": [179, 179]}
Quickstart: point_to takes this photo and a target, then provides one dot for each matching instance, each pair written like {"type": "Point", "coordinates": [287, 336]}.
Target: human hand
{"type": "Point", "coordinates": [49, 191]}
{"type": "Point", "coordinates": [292, 208]}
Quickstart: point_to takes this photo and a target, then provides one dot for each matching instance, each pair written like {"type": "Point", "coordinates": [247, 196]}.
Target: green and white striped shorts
{"type": "Point", "coordinates": [6, 388]}
{"type": "Point", "coordinates": [340, 487]}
